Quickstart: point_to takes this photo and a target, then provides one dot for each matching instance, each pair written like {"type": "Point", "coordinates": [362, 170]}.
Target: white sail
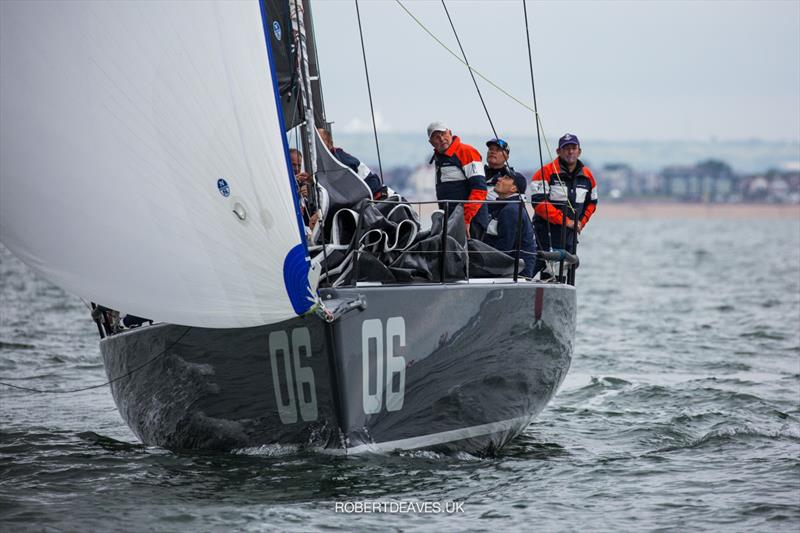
{"type": "Point", "coordinates": [117, 121]}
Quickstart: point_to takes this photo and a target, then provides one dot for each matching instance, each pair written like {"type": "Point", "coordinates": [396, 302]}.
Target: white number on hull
{"type": "Point", "coordinates": [303, 375]}
{"type": "Point", "coordinates": [301, 339]}
{"type": "Point", "coordinates": [395, 364]}
{"type": "Point", "coordinates": [372, 334]}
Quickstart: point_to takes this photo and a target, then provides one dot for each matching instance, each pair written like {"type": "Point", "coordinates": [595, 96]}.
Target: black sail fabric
{"type": "Point", "coordinates": [382, 242]}
{"type": "Point", "coordinates": [345, 189]}
{"type": "Point", "coordinates": [279, 14]}
{"type": "Point", "coordinates": [486, 262]}
{"type": "Point", "coordinates": [422, 261]}
{"type": "Point", "coordinates": [279, 31]}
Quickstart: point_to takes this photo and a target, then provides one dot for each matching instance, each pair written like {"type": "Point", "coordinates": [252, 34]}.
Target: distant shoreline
{"type": "Point", "coordinates": [648, 210]}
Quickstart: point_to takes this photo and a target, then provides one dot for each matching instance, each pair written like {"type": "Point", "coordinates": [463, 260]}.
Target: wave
{"type": "Point", "coordinates": [108, 443]}
{"type": "Point", "coordinates": [269, 450]}
{"type": "Point", "coordinates": [16, 346]}
{"type": "Point", "coordinates": [732, 434]}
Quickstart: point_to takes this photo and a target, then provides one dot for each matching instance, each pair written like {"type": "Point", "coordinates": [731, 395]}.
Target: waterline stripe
{"type": "Point", "coordinates": [434, 439]}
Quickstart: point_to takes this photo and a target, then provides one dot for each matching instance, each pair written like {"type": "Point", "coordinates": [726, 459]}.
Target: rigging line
{"type": "Point", "coordinates": [472, 75]}
{"type": "Point", "coordinates": [536, 115]}
{"type": "Point", "coordinates": [476, 71]}
{"type": "Point", "coordinates": [306, 97]}
{"type": "Point", "coordinates": [369, 90]}
{"type": "Point", "coordinates": [165, 350]}
{"type": "Point", "coordinates": [533, 84]}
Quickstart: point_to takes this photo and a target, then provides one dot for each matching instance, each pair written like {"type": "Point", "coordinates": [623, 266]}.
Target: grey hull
{"type": "Point", "coordinates": [445, 367]}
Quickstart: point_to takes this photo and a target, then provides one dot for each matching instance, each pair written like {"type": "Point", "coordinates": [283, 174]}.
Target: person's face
{"type": "Point", "coordinates": [297, 162]}
{"type": "Point", "coordinates": [327, 140]}
{"type": "Point", "coordinates": [569, 153]}
{"type": "Point", "coordinates": [505, 186]}
{"type": "Point", "coordinates": [441, 140]}
{"type": "Point", "coordinates": [496, 157]}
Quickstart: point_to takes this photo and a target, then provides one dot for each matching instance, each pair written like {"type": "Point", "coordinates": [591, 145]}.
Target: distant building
{"type": "Point", "coordinates": [709, 181]}
{"type": "Point", "coordinates": [423, 181]}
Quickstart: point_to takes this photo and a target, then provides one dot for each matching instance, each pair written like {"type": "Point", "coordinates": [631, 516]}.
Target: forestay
{"type": "Point", "coordinates": [120, 121]}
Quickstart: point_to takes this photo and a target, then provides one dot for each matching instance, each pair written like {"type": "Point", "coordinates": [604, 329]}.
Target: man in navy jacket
{"type": "Point", "coordinates": [372, 180]}
{"type": "Point", "coordinates": [505, 218]}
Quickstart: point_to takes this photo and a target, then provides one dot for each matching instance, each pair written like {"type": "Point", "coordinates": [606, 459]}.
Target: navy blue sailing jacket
{"type": "Point", "coordinates": [502, 231]}
{"type": "Point", "coordinates": [372, 180]}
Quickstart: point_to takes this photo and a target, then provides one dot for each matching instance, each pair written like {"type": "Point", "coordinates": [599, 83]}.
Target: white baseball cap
{"type": "Point", "coordinates": [433, 127]}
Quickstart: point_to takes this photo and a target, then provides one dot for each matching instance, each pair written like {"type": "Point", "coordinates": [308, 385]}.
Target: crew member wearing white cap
{"type": "Point", "coordinates": [459, 176]}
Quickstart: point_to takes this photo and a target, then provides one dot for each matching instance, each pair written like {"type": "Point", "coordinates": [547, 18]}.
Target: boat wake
{"type": "Point", "coordinates": [269, 450]}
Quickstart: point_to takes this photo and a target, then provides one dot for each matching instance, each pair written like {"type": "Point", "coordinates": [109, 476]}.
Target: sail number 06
{"type": "Point", "coordinates": [372, 341]}
{"type": "Point", "coordinates": [303, 376]}
{"type": "Point", "coordinates": [300, 388]}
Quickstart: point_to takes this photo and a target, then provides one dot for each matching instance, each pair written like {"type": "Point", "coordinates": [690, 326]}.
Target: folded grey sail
{"type": "Point", "coordinates": [344, 225]}
{"type": "Point", "coordinates": [345, 189]}
{"type": "Point", "coordinates": [486, 262]}
{"type": "Point", "coordinates": [423, 260]}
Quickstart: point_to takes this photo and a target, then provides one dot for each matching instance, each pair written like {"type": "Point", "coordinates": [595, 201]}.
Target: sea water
{"type": "Point", "coordinates": [681, 411]}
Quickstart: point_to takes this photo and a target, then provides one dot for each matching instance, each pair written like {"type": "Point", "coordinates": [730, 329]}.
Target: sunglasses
{"type": "Point", "coordinates": [499, 142]}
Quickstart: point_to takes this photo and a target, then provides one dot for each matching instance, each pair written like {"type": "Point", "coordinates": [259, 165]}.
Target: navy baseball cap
{"type": "Point", "coordinates": [520, 182]}
{"type": "Point", "coordinates": [501, 143]}
{"type": "Point", "coordinates": [566, 139]}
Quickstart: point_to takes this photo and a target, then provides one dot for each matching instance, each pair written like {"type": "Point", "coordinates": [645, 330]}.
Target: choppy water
{"type": "Point", "coordinates": [682, 410]}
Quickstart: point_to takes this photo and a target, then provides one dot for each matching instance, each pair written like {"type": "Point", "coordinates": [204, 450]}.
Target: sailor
{"type": "Point", "coordinates": [372, 180]}
{"type": "Point", "coordinates": [459, 176]}
{"type": "Point", "coordinates": [564, 194]}
{"type": "Point", "coordinates": [497, 151]}
{"type": "Point", "coordinates": [307, 207]}
{"type": "Point", "coordinates": [505, 220]}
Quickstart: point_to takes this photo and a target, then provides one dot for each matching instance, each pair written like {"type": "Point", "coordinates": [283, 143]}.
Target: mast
{"type": "Point", "coordinates": [299, 20]}
{"type": "Point", "coordinates": [313, 68]}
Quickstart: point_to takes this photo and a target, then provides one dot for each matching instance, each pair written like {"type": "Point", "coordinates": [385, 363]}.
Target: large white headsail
{"type": "Point", "coordinates": [142, 159]}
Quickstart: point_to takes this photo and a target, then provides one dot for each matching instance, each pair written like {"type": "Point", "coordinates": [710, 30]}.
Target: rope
{"type": "Point", "coordinates": [535, 108]}
{"type": "Point", "coordinates": [466, 62]}
{"type": "Point", "coordinates": [472, 69]}
{"type": "Point", "coordinates": [369, 91]}
{"type": "Point", "coordinates": [540, 127]}
{"type": "Point", "coordinates": [539, 123]}
{"type": "Point", "coordinates": [165, 350]}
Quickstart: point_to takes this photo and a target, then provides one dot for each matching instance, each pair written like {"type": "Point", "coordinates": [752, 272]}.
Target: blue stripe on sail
{"type": "Point", "coordinates": [295, 278]}
{"type": "Point", "coordinates": [297, 263]}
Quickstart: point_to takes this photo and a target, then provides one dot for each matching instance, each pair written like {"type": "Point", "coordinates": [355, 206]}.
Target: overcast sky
{"type": "Point", "coordinates": [655, 70]}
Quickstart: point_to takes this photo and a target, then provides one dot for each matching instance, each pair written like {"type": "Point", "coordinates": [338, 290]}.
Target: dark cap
{"type": "Point", "coordinates": [566, 139]}
{"type": "Point", "coordinates": [501, 143]}
{"type": "Point", "coordinates": [519, 180]}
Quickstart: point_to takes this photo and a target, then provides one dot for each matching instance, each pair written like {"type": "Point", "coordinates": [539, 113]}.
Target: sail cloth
{"type": "Point", "coordinates": [279, 26]}
{"type": "Point", "coordinates": [279, 17]}
{"type": "Point", "coordinates": [144, 165]}
{"type": "Point", "coordinates": [345, 188]}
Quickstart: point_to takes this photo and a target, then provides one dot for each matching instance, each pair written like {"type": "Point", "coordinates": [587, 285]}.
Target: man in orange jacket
{"type": "Point", "coordinates": [459, 176]}
{"type": "Point", "coordinates": [564, 196]}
